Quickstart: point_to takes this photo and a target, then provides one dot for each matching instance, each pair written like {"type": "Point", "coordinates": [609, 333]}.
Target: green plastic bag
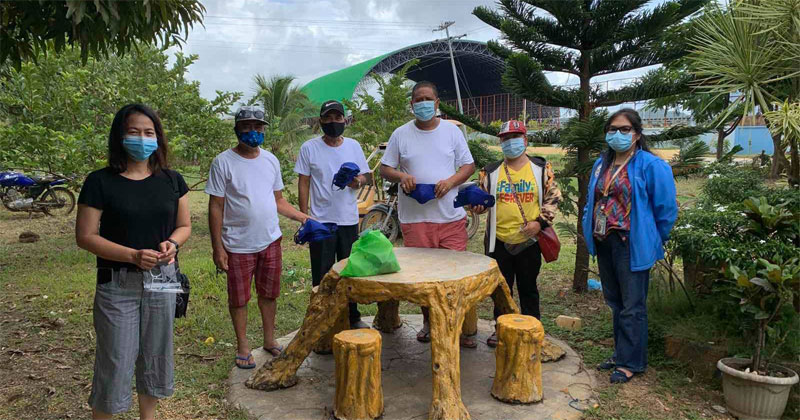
{"type": "Point", "coordinates": [372, 254]}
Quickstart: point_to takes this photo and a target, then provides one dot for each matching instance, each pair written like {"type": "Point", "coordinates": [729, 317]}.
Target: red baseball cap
{"type": "Point", "coordinates": [513, 126]}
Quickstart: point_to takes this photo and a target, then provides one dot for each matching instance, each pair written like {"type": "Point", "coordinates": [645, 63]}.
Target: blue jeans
{"type": "Point", "coordinates": [625, 292]}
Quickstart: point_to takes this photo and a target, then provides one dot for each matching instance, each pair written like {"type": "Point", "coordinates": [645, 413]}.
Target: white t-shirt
{"type": "Point", "coordinates": [429, 156]}
{"type": "Point", "coordinates": [321, 162]}
{"type": "Point", "coordinates": [250, 220]}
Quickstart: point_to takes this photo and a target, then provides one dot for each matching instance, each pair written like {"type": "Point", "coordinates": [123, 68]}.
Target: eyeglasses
{"type": "Point", "coordinates": [625, 129]}
{"type": "Point", "coordinates": [246, 113]}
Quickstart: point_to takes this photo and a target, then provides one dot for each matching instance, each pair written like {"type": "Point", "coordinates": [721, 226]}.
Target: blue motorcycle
{"type": "Point", "coordinates": [47, 195]}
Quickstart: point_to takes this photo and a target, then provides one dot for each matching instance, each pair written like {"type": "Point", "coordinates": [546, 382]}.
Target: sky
{"type": "Point", "coordinates": [310, 38]}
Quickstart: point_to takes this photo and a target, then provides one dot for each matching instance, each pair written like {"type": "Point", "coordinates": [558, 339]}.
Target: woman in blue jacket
{"type": "Point", "coordinates": [630, 210]}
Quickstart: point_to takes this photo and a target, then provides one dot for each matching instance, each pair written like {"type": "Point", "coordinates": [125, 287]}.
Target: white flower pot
{"type": "Point", "coordinates": [755, 397]}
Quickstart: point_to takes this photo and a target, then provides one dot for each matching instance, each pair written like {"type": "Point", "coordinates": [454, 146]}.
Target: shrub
{"type": "Point", "coordinates": [731, 184]}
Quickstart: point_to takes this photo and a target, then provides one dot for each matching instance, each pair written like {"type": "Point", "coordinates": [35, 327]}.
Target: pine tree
{"type": "Point", "coordinates": [586, 39]}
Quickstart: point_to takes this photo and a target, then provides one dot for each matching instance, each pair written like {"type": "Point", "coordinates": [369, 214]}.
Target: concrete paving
{"type": "Point", "coordinates": [406, 371]}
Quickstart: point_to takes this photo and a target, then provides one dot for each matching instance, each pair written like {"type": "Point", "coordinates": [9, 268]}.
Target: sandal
{"type": "Point", "coordinates": [492, 340]}
{"type": "Point", "coordinates": [274, 351]}
{"type": "Point", "coordinates": [424, 336]}
{"type": "Point", "coordinates": [620, 377]}
{"type": "Point", "coordinates": [247, 359]}
{"type": "Point", "coordinates": [468, 342]}
{"type": "Point", "coordinates": [609, 364]}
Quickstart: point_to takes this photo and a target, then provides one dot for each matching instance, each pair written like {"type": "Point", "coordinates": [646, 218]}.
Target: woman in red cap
{"type": "Point", "coordinates": [526, 198]}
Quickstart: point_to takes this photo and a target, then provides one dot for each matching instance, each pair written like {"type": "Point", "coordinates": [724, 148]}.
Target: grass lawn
{"type": "Point", "coordinates": [47, 341]}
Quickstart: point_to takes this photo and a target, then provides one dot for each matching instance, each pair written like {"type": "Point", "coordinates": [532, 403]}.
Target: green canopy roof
{"type": "Point", "coordinates": [340, 84]}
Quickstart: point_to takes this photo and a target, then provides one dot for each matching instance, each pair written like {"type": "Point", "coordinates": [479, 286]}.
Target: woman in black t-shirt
{"type": "Point", "coordinates": [133, 215]}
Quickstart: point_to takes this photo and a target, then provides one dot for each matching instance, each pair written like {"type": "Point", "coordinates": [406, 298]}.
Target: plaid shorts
{"type": "Point", "coordinates": [265, 266]}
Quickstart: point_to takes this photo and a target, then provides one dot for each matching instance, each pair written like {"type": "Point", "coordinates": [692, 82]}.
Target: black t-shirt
{"type": "Point", "coordinates": [137, 214]}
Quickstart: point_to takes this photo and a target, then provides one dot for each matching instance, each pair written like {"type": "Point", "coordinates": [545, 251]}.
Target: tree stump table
{"type": "Point", "coordinates": [450, 283]}
{"type": "Point", "coordinates": [359, 395]}
{"type": "Point", "coordinates": [518, 359]}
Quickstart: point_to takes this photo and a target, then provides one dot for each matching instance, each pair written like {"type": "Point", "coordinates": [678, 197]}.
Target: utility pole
{"type": "Point", "coordinates": [446, 28]}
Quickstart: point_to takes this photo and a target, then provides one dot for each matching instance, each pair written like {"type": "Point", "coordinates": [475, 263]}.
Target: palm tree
{"type": "Point", "coordinates": [586, 39]}
{"type": "Point", "coordinates": [752, 48]}
{"type": "Point", "coordinates": [285, 106]}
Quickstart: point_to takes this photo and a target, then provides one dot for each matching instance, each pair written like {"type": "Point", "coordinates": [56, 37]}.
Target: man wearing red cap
{"type": "Point", "coordinates": [526, 198]}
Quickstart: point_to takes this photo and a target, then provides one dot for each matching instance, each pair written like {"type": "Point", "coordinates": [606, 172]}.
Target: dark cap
{"type": "Point", "coordinates": [331, 106]}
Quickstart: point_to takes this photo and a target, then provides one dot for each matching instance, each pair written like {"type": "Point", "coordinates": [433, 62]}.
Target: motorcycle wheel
{"type": "Point", "coordinates": [374, 219]}
{"type": "Point", "coordinates": [473, 223]}
{"type": "Point", "coordinates": [61, 196]}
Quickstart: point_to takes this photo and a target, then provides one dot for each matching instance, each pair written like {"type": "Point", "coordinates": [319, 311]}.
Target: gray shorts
{"type": "Point", "coordinates": [134, 331]}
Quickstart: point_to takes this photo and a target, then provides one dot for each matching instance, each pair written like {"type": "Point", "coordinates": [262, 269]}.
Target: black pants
{"type": "Point", "coordinates": [625, 292]}
{"type": "Point", "coordinates": [324, 254]}
{"type": "Point", "coordinates": [524, 267]}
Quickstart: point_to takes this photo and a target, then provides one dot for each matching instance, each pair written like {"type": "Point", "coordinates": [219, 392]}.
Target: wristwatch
{"type": "Point", "coordinates": [174, 242]}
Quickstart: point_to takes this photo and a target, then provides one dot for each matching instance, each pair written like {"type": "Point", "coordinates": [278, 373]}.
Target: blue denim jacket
{"type": "Point", "coordinates": [654, 208]}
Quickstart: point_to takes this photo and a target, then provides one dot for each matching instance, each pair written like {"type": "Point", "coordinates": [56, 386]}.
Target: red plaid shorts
{"type": "Point", "coordinates": [264, 265]}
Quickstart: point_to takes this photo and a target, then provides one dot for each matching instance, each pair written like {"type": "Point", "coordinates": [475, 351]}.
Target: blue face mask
{"type": "Point", "coordinates": [513, 147]}
{"type": "Point", "coordinates": [619, 142]}
{"type": "Point", "coordinates": [139, 148]}
{"type": "Point", "coordinates": [424, 110]}
{"type": "Point", "coordinates": [251, 138]}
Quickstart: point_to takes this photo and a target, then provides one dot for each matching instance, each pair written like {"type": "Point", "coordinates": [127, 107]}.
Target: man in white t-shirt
{"type": "Point", "coordinates": [429, 150]}
{"type": "Point", "coordinates": [245, 197]}
{"type": "Point", "coordinates": [320, 159]}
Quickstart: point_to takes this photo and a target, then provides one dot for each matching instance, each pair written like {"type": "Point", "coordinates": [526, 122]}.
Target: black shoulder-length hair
{"type": "Point", "coordinates": [636, 124]}
{"type": "Point", "coordinates": [117, 157]}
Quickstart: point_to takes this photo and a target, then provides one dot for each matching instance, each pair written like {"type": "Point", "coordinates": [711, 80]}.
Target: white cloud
{"type": "Point", "coordinates": [310, 38]}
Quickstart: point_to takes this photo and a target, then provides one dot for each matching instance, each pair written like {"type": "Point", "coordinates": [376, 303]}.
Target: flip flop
{"type": "Point", "coordinates": [619, 377]}
{"type": "Point", "coordinates": [468, 342]}
{"type": "Point", "coordinates": [245, 359]}
{"type": "Point", "coordinates": [274, 351]}
{"type": "Point", "coordinates": [424, 336]}
{"type": "Point", "coordinates": [607, 365]}
{"type": "Point", "coordinates": [492, 340]}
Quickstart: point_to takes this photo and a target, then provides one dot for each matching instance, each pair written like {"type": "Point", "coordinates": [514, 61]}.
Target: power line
{"type": "Point", "coordinates": [214, 43]}
{"type": "Point", "coordinates": [328, 24]}
{"type": "Point", "coordinates": [329, 21]}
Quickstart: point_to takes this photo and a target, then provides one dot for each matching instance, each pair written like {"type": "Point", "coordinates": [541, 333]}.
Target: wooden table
{"type": "Point", "coordinates": [447, 282]}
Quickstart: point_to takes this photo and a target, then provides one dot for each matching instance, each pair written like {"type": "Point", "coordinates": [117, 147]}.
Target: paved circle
{"type": "Point", "coordinates": [406, 380]}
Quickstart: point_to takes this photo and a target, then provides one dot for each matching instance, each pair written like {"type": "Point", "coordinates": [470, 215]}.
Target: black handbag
{"type": "Point", "coordinates": [181, 299]}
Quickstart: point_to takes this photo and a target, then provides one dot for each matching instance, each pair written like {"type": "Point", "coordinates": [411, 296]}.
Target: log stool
{"type": "Point", "coordinates": [359, 395]}
{"type": "Point", "coordinates": [518, 378]}
{"type": "Point", "coordinates": [325, 344]}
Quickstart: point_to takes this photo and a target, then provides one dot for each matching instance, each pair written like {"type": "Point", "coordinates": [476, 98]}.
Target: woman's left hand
{"type": "Point", "coordinates": [168, 251]}
{"type": "Point", "coordinates": [531, 229]}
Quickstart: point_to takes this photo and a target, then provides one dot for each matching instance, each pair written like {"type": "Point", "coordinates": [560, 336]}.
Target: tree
{"type": "Point", "coordinates": [285, 109]}
{"type": "Point", "coordinates": [55, 115]}
{"type": "Point", "coordinates": [706, 109]}
{"type": "Point", "coordinates": [98, 28]}
{"type": "Point", "coordinates": [586, 39]}
{"type": "Point", "coordinates": [374, 120]}
{"type": "Point", "coordinates": [752, 47]}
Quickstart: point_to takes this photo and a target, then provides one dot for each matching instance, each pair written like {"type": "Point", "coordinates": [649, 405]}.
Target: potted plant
{"type": "Point", "coordinates": [753, 388]}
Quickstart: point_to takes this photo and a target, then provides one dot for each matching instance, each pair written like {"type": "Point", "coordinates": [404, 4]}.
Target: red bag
{"type": "Point", "coordinates": [549, 244]}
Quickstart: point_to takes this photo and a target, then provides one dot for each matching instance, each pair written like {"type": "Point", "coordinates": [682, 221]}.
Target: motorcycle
{"type": "Point", "coordinates": [383, 216]}
{"type": "Point", "coordinates": [20, 193]}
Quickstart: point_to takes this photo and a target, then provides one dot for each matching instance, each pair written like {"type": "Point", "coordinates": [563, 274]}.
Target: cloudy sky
{"type": "Point", "coordinates": [310, 38]}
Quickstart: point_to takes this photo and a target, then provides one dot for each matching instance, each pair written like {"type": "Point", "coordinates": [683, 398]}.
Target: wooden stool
{"type": "Point", "coordinates": [518, 378]}
{"type": "Point", "coordinates": [325, 344]}
{"type": "Point", "coordinates": [359, 395]}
